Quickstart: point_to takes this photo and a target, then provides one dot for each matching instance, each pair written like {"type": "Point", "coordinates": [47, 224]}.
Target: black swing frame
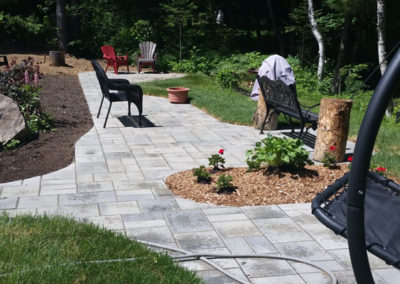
{"type": "Point", "coordinates": [357, 179]}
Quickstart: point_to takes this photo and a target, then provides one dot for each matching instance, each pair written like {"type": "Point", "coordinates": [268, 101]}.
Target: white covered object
{"type": "Point", "coordinates": [275, 67]}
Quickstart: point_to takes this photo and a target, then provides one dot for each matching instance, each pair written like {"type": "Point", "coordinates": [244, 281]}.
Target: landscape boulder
{"type": "Point", "coordinates": [12, 122]}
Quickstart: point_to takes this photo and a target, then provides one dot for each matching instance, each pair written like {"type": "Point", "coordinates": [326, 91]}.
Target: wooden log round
{"type": "Point", "coordinates": [260, 113]}
{"type": "Point", "coordinates": [333, 128]}
{"type": "Point", "coordinates": [57, 58]}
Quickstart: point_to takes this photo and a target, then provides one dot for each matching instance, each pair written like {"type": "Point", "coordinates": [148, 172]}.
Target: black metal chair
{"type": "Point", "coordinates": [125, 91]}
{"type": "Point", "coordinates": [5, 61]}
{"type": "Point", "coordinates": [363, 206]}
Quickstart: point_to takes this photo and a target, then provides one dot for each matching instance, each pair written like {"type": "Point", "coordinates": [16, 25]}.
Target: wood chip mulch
{"type": "Point", "coordinates": [256, 188]}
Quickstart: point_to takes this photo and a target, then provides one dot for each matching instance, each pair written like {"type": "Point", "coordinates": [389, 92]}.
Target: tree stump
{"type": "Point", "coordinates": [57, 58]}
{"type": "Point", "coordinates": [333, 128]}
{"type": "Point", "coordinates": [260, 113]}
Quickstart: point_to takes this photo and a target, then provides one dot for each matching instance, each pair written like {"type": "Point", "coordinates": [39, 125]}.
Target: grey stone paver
{"type": "Point", "coordinates": [117, 181]}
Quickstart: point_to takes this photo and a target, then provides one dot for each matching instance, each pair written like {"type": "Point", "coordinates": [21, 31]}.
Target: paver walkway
{"type": "Point", "coordinates": [117, 181]}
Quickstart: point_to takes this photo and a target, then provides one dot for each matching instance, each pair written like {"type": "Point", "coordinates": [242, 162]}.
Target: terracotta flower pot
{"type": "Point", "coordinates": [178, 95]}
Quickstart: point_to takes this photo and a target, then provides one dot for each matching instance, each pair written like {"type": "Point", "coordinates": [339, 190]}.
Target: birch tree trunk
{"type": "Point", "coordinates": [318, 37]}
{"type": "Point", "coordinates": [380, 25]}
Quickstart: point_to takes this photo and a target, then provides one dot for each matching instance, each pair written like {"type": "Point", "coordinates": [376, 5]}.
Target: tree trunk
{"type": "Point", "coordinates": [380, 25]}
{"type": "Point", "coordinates": [341, 59]}
{"type": "Point", "coordinates": [61, 25]}
{"type": "Point", "coordinates": [57, 58]}
{"type": "Point", "coordinates": [276, 28]}
{"type": "Point", "coordinates": [333, 128]}
{"type": "Point", "coordinates": [318, 37]}
{"type": "Point", "coordinates": [260, 113]}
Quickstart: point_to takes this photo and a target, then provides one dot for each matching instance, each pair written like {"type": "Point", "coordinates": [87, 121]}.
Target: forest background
{"type": "Point", "coordinates": [205, 32]}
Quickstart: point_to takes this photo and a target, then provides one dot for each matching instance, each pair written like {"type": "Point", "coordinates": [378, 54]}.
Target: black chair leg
{"type": "Point", "coordinates": [101, 104]}
{"type": "Point", "coordinates": [302, 129]}
{"type": "Point", "coordinates": [108, 112]}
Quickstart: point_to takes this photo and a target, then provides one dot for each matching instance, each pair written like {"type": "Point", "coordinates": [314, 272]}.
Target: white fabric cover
{"type": "Point", "coordinates": [275, 67]}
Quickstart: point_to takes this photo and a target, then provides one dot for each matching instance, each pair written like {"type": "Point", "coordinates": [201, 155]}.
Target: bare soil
{"type": "Point", "coordinates": [256, 188]}
{"type": "Point", "coordinates": [63, 99]}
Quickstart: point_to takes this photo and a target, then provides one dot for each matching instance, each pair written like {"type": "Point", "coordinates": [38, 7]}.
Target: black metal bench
{"type": "Point", "coordinates": [5, 61]}
{"type": "Point", "coordinates": [280, 98]}
{"type": "Point", "coordinates": [125, 91]}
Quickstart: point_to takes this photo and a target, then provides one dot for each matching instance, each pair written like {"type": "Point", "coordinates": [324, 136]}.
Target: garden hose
{"type": "Point", "coordinates": [187, 256]}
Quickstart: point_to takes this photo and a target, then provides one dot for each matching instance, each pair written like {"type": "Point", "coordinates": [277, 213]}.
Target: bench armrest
{"type": "Point", "coordinates": [309, 107]}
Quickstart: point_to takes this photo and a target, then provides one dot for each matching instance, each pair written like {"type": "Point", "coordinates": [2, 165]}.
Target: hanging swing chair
{"type": "Point", "coordinates": [363, 206]}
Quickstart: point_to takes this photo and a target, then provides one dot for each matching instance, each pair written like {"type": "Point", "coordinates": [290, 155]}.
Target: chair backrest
{"type": "Point", "coordinates": [279, 95]}
{"type": "Point", "coordinates": [108, 52]}
{"type": "Point", "coordinates": [102, 77]}
{"type": "Point", "coordinates": [147, 49]}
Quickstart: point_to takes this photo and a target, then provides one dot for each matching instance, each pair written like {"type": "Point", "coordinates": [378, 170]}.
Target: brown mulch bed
{"type": "Point", "coordinates": [63, 99]}
{"type": "Point", "coordinates": [257, 188]}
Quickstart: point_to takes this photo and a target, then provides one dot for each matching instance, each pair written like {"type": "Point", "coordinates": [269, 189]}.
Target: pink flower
{"type": "Point", "coordinates": [350, 159]}
{"type": "Point", "coordinates": [381, 169]}
{"type": "Point", "coordinates": [26, 75]}
{"type": "Point", "coordinates": [332, 148]}
{"type": "Point", "coordinates": [36, 78]}
{"type": "Point", "coordinates": [221, 151]}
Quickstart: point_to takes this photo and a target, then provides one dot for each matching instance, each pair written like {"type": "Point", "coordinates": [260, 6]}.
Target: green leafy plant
{"type": "Point", "coordinates": [202, 174]}
{"type": "Point", "coordinates": [277, 152]}
{"type": "Point", "coordinates": [12, 144]}
{"type": "Point", "coordinates": [329, 160]}
{"type": "Point", "coordinates": [227, 78]}
{"type": "Point", "coordinates": [224, 183]}
{"type": "Point", "coordinates": [216, 160]}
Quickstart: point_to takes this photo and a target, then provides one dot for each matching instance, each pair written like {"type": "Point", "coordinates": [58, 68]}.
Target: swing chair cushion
{"type": "Point", "coordinates": [382, 214]}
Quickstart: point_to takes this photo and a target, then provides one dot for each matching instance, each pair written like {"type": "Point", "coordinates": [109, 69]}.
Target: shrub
{"type": "Point", "coordinates": [201, 174]}
{"type": "Point", "coordinates": [224, 183]}
{"type": "Point", "coordinates": [277, 153]}
{"type": "Point", "coordinates": [216, 160]}
{"type": "Point", "coordinates": [227, 79]}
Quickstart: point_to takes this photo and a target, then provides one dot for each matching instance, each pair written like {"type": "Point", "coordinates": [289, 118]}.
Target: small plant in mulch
{"type": "Point", "coordinates": [277, 153]}
{"type": "Point", "coordinates": [350, 160]}
{"type": "Point", "coordinates": [329, 160]}
{"type": "Point", "coordinates": [217, 161]}
{"type": "Point", "coordinates": [224, 183]}
{"type": "Point", "coordinates": [380, 171]}
{"type": "Point", "coordinates": [203, 176]}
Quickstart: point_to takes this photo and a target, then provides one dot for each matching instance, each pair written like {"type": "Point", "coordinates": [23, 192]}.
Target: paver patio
{"type": "Point", "coordinates": [117, 181]}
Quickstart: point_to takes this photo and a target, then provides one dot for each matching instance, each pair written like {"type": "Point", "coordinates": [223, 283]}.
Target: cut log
{"type": "Point", "coordinates": [333, 128]}
{"type": "Point", "coordinates": [57, 58]}
{"type": "Point", "coordinates": [260, 113]}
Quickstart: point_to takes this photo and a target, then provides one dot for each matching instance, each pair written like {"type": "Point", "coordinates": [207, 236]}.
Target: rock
{"type": "Point", "coordinates": [12, 122]}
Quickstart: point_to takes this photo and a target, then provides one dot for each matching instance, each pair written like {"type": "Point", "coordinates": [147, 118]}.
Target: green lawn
{"type": "Point", "coordinates": [41, 250]}
{"type": "Point", "coordinates": [233, 107]}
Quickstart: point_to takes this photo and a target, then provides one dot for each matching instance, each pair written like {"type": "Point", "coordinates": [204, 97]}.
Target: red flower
{"type": "Point", "coordinates": [350, 159]}
{"type": "Point", "coordinates": [332, 148]}
{"type": "Point", "coordinates": [381, 169]}
{"type": "Point", "coordinates": [221, 151]}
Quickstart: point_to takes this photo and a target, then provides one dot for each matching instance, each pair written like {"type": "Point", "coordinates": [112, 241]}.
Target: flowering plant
{"type": "Point", "coordinates": [381, 171]}
{"type": "Point", "coordinates": [216, 160]}
{"type": "Point", "coordinates": [350, 160]}
{"type": "Point", "coordinates": [329, 160]}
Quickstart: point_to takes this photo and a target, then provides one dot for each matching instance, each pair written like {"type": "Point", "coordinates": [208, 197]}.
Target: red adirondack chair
{"type": "Point", "coordinates": [114, 60]}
